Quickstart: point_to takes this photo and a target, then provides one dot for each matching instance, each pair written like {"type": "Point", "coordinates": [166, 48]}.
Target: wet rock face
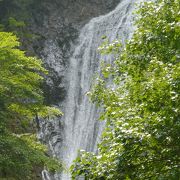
{"type": "Point", "coordinates": [57, 24]}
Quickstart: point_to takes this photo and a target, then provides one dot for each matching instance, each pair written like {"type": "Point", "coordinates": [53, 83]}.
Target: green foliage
{"type": "Point", "coordinates": [21, 156]}
{"type": "Point", "coordinates": [142, 135]}
{"type": "Point", "coordinates": [21, 76]}
{"type": "Point", "coordinates": [21, 99]}
{"type": "Point", "coordinates": [14, 23]}
{"type": "Point", "coordinates": [15, 16]}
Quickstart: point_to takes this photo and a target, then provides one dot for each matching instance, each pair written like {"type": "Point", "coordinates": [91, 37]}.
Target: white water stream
{"type": "Point", "coordinates": [82, 130]}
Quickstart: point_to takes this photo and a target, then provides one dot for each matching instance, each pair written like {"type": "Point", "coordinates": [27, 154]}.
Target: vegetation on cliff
{"type": "Point", "coordinates": [21, 100]}
{"type": "Point", "coordinates": [141, 106]}
{"type": "Point", "coordinates": [22, 156]}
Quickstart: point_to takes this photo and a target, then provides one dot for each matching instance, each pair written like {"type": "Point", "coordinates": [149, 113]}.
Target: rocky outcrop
{"type": "Point", "coordinates": [57, 23]}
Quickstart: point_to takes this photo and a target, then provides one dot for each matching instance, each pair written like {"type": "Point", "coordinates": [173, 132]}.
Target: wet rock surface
{"type": "Point", "coordinates": [57, 24]}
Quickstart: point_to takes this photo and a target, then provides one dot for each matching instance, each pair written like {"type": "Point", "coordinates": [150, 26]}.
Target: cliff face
{"type": "Point", "coordinates": [58, 23]}
{"type": "Point", "coordinates": [75, 11]}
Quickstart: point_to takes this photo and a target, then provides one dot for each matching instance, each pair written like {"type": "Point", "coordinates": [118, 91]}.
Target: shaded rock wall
{"type": "Point", "coordinates": [57, 23]}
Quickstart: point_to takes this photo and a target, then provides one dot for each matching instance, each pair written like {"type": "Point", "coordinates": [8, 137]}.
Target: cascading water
{"type": "Point", "coordinates": [81, 128]}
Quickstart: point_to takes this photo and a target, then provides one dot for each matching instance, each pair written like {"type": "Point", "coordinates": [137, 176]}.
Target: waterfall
{"type": "Point", "coordinates": [81, 128]}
